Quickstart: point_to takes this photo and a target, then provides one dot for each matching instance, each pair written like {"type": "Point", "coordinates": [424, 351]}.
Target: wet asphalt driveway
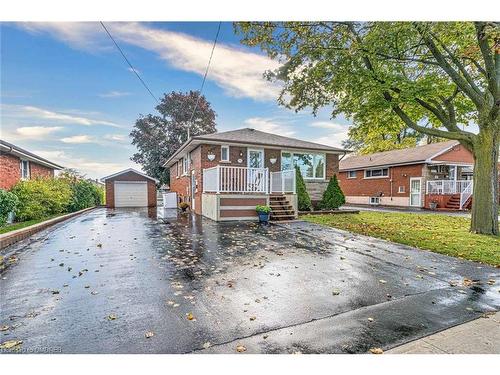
{"type": "Point", "coordinates": [100, 282]}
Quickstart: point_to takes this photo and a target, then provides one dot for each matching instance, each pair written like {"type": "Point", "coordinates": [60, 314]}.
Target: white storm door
{"type": "Point", "coordinates": [131, 194]}
{"type": "Point", "coordinates": [416, 192]}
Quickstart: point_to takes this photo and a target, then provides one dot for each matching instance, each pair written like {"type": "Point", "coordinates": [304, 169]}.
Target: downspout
{"type": "Point", "coordinates": [392, 175]}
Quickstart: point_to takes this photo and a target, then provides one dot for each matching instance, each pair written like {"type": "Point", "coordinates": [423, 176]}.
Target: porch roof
{"type": "Point", "coordinates": [414, 155]}
{"type": "Point", "coordinates": [248, 136]}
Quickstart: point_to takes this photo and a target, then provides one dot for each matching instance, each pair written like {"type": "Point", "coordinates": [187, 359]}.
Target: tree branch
{"type": "Point", "coordinates": [457, 78]}
{"type": "Point", "coordinates": [489, 60]}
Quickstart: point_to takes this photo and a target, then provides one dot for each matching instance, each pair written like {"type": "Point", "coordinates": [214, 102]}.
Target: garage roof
{"type": "Point", "coordinates": [127, 171]}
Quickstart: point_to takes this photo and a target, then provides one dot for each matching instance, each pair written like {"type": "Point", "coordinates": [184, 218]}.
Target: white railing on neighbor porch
{"type": "Point", "coordinates": [466, 194]}
{"type": "Point", "coordinates": [230, 179]}
{"type": "Point", "coordinates": [447, 186]}
{"type": "Point", "coordinates": [462, 187]}
{"type": "Point", "coordinates": [283, 181]}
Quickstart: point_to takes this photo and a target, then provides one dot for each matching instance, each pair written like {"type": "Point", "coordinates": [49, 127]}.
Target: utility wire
{"type": "Point", "coordinates": [129, 64]}
{"type": "Point", "coordinates": [204, 78]}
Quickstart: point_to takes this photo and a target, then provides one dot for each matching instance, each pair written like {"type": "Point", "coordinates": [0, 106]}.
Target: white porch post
{"type": "Point", "coordinates": [218, 179]}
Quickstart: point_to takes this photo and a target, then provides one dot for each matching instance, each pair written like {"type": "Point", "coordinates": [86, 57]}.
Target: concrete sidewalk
{"type": "Point", "coordinates": [480, 336]}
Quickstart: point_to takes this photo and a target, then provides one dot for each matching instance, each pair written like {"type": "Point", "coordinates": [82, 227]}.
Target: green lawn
{"type": "Point", "coordinates": [438, 233]}
{"type": "Point", "coordinates": [24, 224]}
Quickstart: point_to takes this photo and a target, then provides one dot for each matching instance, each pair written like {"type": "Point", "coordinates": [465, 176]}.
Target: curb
{"type": "Point", "coordinates": [10, 238]}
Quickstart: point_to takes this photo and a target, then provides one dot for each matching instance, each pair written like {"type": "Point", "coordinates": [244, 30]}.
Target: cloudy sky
{"type": "Point", "coordinates": [68, 95]}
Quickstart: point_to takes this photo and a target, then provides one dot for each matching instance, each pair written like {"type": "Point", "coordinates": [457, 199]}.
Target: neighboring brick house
{"type": "Point", "coordinates": [225, 175]}
{"type": "Point", "coordinates": [438, 172]}
{"type": "Point", "coordinates": [18, 164]}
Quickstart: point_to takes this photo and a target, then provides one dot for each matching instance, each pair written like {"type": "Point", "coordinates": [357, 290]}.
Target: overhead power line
{"type": "Point", "coordinates": [129, 64]}
{"type": "Point", "coordinates": [204, 78]}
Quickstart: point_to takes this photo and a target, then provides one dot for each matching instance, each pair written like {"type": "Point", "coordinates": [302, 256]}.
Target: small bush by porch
{"type": "Point", "coordinates": [438, 233]}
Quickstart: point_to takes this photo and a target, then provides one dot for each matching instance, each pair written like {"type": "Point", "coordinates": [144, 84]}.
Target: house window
{"type": "Point", "coordinates": [311, 165]}
{"type": "Point", "coordinates": [224, 153]}
{"type": "Point", "coordinates": [185, 165]}
{"type": "Point", "coordinates": [374, 200]}
{"type": "Point", "coordinates": [25, 169]}
{"type": "Point", "coordinates": [401, 189]}
{"type": "Point", "coordinates": [179, 167]}
{"type": "Point", "coordinates": [351, 174]}
{"type": "Point", "coordinates": [376, 173]}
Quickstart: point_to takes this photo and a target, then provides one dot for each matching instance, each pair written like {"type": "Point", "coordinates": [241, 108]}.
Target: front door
{"type": "Point", "coordinates": [416, 192]}
{"type": "Point", "coordinates": [255, 178]}
{"type": "Point", "coordinates": [256, 158]}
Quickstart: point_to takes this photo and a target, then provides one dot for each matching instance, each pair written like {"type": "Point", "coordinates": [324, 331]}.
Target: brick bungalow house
{"type": "Point", "coordinates": [18, 164]}
{"type": "Point", "coordinates": [223, 176]}
{"type": "Point", "coordinates": [413, 177]}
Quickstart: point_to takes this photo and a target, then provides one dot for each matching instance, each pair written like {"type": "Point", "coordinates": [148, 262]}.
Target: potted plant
{"type": "Point", "coordinates": [263, 212]}
{"type": "Point", "coordinates": [433, 204]}
{"type": "Point", "coordinates": [184, 206]}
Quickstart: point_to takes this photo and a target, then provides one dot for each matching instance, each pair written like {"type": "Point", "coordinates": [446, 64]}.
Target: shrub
{"type": "Point", "coordinates": [333, 197]}
{"type": "Point", "coordinates": [303, 199]}
{"type": "Point", "coordinates": [83, 194]}
{"type": "Point", "coordinates": [40, 198]}
{"type": "Point", "coordinates": [8, 203]}
{"type": "Point", "coordinates": [263, 209]}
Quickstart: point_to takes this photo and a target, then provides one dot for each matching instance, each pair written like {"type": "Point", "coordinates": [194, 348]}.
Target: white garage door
{"type": "Point", "coordinates": [131, 194]}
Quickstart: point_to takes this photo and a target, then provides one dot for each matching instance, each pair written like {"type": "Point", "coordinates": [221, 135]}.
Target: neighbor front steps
{"type": "Point", "coordinates": [281, 209]}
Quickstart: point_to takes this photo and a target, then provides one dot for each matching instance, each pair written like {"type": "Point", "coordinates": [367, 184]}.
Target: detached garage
{"type": "Point", "coordinates": [130, 188]}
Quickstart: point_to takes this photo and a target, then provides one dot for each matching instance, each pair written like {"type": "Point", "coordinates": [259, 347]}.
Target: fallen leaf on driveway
{"type": "Point", "coordinates": [207, 345]}
{"type": "Point", "coordinates": [99, 245]}
{"type": "Point", "coordinates": [376, 351]}
{"type": "Point", "coordinates": [55, 292]}
{"type": "Point", "coordinates": [382, 281]}
{"type": "Point", "coordinates": [4, 328]}
{"type": "Point", "coordinates": [149, 334]}
{"type": "Point", "coordinates": [241, 349]}
{"type": "Point", "coordinates": [370, 319]}
{"type": "Point", "coordinates": [252, 318]}
{"type": "Point", "coordinates": [10, 344]}
{"type": "Point", "coordinates": [111, 317]}
{"type": "Point", "coordinates": [336, 292]}
{"type": "Point", "coordinates": [491, 282]}
{"type": "Point", "coordinates": [190, 316]}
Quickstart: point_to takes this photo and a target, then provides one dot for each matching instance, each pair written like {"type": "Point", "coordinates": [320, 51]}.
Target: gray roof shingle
{"type": "Point", "coordinates": [252, 136]}
{"type": "Point", "coordinates": [403, 156]}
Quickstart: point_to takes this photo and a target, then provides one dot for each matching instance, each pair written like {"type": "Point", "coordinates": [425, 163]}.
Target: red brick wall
{"type": "Point", "coordinates": [457, 154]}
{"type": "Point", "coordinates": [129, 176]}
{"type": "Point", "coordinates": [10, 171]}
{"type": "Point", "coordinates": [360, 186]}
{"type": "Point", "coordinates": [332, 165]}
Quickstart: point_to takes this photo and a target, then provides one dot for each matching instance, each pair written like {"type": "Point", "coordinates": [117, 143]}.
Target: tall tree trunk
{"type": "Point", "coordinates": [485, 198]}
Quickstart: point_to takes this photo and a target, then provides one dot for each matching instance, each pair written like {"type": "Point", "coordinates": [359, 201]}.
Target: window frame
{"type": "Point", "coordinates": [185, 165]}
{"type": "Point", "coordinates": [292, 153]}
{"type": "Point", "coordinates": [403, 190]}
{"type": "Point", "coordinates": [349, 175]}
{"type": "Point", "coordinates": [376, 169]}
{"type": "Point", "coordinates": [25, 170]}
{"type": "Point", "coordinates": [228, 159]}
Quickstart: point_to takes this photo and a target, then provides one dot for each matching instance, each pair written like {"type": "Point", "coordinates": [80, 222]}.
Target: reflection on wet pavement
{"type": "Point", "coordinates": [141, 281]}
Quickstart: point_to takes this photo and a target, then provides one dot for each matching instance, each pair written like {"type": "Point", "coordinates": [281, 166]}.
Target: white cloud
{"type": "Point", "coordinates": [114, 94]}
{"type": "Point", "coordinates": [78, 139]}
{"type": "Point", "coordinates": [36, 113]}
{"type": "Point", "coordinates": [237, 71]}
{"type": "Point", "coordinates": [269, 125]}
{"type": "Point", "coordinates": [116, 138]}
{"type": "Point", "coordinates": [333, 139]}
{"type": "Point", "coordinates": [332, 126]}
{"type": "Point", "coordinates": [94, 168]}
{"type": "Point", "coordinates": [36, 131]}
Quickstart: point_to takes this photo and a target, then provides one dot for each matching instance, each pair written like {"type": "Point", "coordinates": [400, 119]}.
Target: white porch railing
{"type": "Point", "coordinates": [462, 187]}
{"type": "Point", "coordinates": [283, 181]}
{"type": "Point", "coordinates": [447, 186]}
{"type": "Point", "coordinates": [231, 179]}
{"type": "Point", "coordinates": [466, 194]}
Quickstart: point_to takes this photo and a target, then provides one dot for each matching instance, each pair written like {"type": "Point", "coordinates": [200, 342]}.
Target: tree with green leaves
{"type": "Point", "coordinates": [433, 77]}
{"type": "Point", "coordinates": [303, 199]}
{"type": "Point", "coordinates": [333, 197]}
{"type": "Point", "coordinates": [158, 136]}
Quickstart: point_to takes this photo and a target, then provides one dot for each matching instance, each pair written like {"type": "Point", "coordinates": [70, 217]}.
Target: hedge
{"type": "Point", "coordinates": [333, 197]}
{"type": "Point", "coordinates": [8, 203]}
{"type": "Point", "coordinates": [39, 198]}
